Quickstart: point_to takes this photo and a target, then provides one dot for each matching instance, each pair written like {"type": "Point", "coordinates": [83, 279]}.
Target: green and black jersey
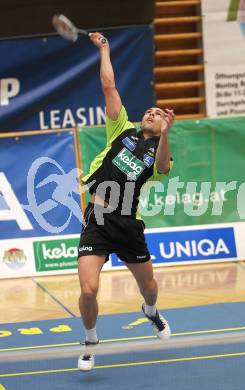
{"type": "Point", "coordinates": [127, 160]}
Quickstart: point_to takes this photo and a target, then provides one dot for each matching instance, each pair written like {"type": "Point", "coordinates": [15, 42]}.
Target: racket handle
{"type": "Point", "coordinates": [103, 39]}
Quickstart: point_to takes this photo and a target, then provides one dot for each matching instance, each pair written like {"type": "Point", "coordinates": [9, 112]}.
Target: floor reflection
{"type": "Point", "coordinates": [188, 285]}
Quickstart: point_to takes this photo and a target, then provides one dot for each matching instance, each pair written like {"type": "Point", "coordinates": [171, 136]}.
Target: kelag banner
{"type": "Point", "coordinates": [224, 55]}
{"type": "Point", "coordinates": [203, 186]}
{"type": "Point", "coordinates": [50, 83]}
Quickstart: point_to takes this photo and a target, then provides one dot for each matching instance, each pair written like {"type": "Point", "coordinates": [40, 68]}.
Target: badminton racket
{"type": "Point", "coordinates": [68, 30]}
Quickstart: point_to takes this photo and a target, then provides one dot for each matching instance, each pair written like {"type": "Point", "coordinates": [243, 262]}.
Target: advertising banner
{"type": "Point", "coordinates": [49, 83]}
{"type": "Point", "coordinates": [38, 189]}
{"type": "Point", "coordinates": [56, 255]}
{"type": "Point", "coordinates": [224, 56]}
{"type": "Point", "coordinates": [39, 197]}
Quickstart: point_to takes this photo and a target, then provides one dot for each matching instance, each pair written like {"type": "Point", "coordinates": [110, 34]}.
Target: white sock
{"type": "Point", "coordinates": [91, 335]}
{"type": "Point", "coordinates": [150, 310]}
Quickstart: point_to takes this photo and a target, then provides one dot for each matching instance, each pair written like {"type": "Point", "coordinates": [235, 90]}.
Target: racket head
{"type": "Point", "coordinates": [64, 27]}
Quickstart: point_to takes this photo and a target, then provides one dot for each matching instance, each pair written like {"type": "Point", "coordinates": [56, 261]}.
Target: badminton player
{"type": "Point", "coordinates": [116, 176]}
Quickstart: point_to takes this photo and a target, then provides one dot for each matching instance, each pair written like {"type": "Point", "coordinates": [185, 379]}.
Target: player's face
{"type": "Point", "coordinates": [152, 121]}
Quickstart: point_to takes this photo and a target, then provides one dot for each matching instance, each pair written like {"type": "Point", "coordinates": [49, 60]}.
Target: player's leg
{"type": "Point", "coordinates": [89, 268]}
{"type": "Point", "coordinates": [143, 274]}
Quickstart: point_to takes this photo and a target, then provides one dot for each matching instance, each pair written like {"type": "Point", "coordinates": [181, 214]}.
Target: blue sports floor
{"type": "Point", "coordinates": [220, 367]}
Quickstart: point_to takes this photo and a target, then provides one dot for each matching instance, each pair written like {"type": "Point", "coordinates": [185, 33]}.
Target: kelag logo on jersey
{"type": "Point", "coordinates": [129, 164]}
{"type": "Point", "coordinates": [130, 144]}
{"type": "Point", "coordinates": [177, 246]}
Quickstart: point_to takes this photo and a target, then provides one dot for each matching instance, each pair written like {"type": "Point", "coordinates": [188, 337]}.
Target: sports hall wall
{"type": "Point", "coordinates": [52, 125]}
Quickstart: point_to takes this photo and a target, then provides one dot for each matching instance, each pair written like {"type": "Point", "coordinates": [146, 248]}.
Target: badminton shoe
{"type": "Point", "coordinates": [160, 326]}
{"type": "Point", "coordinates": [86, 362]}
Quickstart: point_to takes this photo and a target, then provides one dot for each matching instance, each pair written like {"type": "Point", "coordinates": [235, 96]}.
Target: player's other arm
{"type": "Point", "coordinates": [163, 151]}
{"type": "Point", "coordinates": [107, 78]}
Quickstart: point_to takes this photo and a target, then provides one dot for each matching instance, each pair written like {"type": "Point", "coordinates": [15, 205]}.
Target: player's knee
{"type": "Point", "coordinates": [89, 291]}
{"type": "Point", "coordinates": [148, 286]}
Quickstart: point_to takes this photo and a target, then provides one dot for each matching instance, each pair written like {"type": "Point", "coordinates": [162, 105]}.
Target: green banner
{"type": "Point", "coordinates": [203, 185]}
{"type": "Point", "coordinates": [53, 255]}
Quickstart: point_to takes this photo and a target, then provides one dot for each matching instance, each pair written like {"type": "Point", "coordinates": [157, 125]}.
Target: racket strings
{"type": "Point", "coordinates": [65, 28]}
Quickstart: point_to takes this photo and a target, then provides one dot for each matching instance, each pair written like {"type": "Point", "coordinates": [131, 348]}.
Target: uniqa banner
{"type": "Point", "coordinates": [50, 83]}
{"type": "Point", "coordinates": [224, 56]}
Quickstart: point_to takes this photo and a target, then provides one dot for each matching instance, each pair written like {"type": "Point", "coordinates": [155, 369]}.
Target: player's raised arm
{"type": "Point", "coordinates": [107, 78]}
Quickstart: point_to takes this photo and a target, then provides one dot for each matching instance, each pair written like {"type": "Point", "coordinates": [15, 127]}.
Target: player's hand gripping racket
{"type": "Point", "coordinates": [67, 30]}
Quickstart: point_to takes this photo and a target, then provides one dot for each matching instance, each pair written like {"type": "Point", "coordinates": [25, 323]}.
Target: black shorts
{"type": "Point", "coordinates": [123, 235]}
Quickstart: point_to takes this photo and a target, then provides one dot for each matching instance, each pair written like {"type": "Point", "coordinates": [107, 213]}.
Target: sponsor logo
{"type": "Point", "coordinates": [85, 248]}
{"type": "Point", "coordinates": [141, 257]}
{"type": "Point", "coordinates": [53, 255]}
{"type": "Point", "coordinates": [14, 258]}
{"type": "Point", "coordinates": [148, 160]}
{"type": "Point", "coordinates": [209, 244]}
{"type": "Point", "coordinates": [130, 144]}
{"type": "Point", "coordinates": [129, 164]}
